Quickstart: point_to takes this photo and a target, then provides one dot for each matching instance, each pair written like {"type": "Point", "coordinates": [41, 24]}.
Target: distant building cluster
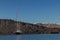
{"type": "Point", "coordinates": [8, 26]}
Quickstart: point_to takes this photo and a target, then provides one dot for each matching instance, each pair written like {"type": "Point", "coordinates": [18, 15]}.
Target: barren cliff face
{"type": "Point", "coordinates": [8, 26]}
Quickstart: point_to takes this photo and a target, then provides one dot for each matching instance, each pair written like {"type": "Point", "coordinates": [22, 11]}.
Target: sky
{"type": "Point", "coordinates": [32, 11]}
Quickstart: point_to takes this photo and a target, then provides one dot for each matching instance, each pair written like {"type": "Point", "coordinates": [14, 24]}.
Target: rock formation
{"type": "Point", "coordinates": [8, 26]}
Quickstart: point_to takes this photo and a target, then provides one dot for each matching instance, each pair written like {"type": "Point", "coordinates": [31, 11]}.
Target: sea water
{"type": "Point", "coordinates": [31, 37]}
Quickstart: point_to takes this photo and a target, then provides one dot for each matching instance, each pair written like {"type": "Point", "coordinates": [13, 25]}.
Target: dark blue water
{"type": "Point", "coordinates": [31, 37]}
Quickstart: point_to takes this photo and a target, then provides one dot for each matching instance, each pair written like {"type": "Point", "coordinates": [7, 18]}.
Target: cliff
{"type": "Point", "coordinates": [8, 26]}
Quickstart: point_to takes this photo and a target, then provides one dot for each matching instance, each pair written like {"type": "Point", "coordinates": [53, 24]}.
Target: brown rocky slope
{"type": "Point", "coordinates": [8, 26]}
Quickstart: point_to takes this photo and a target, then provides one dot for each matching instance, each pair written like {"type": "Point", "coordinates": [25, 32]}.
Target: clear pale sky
{"type": "Point", "coordinates": [31, 10]}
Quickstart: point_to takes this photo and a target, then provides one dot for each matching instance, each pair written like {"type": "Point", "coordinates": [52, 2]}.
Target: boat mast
{"type": "Point", "coordinates": [18, 26]}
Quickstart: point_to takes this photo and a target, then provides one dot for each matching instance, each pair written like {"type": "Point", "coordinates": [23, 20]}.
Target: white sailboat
{"type": "Point", "coordinates": [18, 24]}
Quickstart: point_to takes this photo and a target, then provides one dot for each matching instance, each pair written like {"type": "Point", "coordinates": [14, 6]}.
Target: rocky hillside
{"type": "Point", "coordinates": [8, 26]}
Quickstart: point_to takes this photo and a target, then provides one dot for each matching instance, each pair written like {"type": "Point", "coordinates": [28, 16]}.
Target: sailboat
{"type": "Point", "coordinates": [18, 31]}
